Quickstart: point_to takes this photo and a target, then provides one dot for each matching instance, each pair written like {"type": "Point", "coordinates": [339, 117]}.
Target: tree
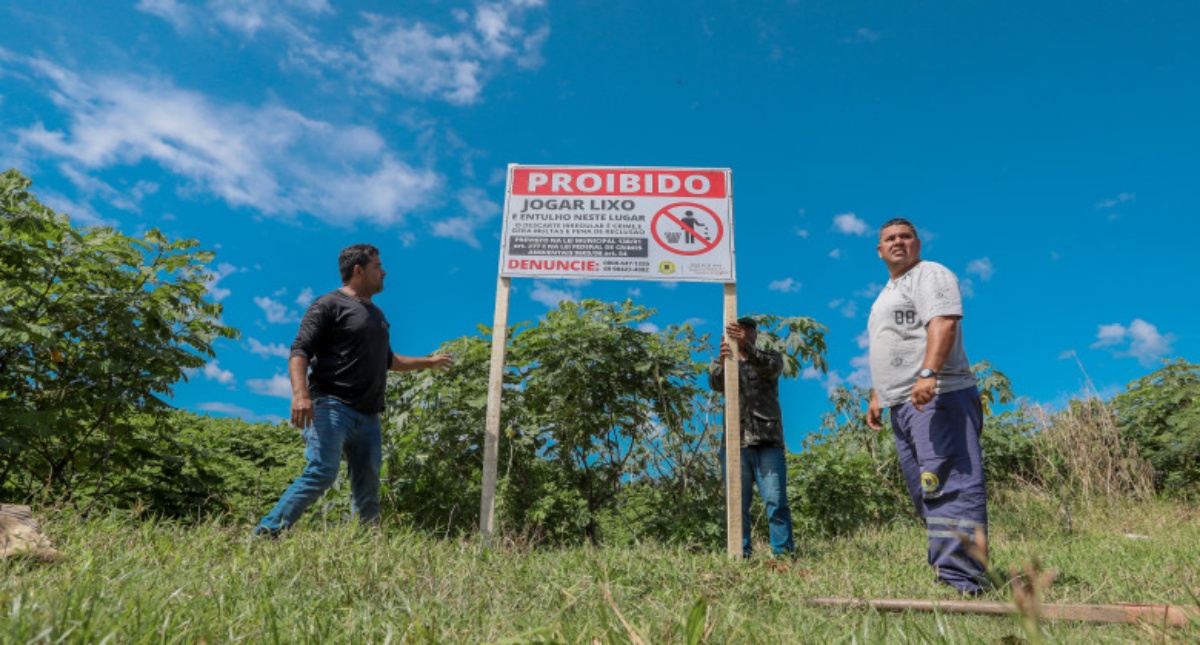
{"type": "Point", "coordinates": [602, 399]}
{"type": "Point", "coordinates": [95, 327]}
{"type": "Point", "coordinates": [433, 431]}
{"type": "Point", "coordinates": [800, 339]}
{"type": "Point", "coordinates": [1161, 413]}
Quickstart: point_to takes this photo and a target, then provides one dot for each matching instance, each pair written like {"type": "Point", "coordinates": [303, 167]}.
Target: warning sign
{"type": "Point", "coordinates": [624, 223]}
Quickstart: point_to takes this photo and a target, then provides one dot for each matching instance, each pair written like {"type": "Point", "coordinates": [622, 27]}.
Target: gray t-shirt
{"type": "Point", "coordinates": [898, 337]}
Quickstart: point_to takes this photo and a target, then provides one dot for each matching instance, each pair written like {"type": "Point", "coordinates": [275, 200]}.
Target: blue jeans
{"type": "Point", "coordinates": [337, 430]}
{"type": "Point", "coordinates": [766, 466]}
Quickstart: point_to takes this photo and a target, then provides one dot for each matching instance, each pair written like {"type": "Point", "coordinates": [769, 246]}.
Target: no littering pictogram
{"type": "Point", "coordinates": [686, 228]}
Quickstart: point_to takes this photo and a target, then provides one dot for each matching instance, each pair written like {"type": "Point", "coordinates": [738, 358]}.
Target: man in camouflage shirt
{"type": "Point", "coordinates": [763, 458]}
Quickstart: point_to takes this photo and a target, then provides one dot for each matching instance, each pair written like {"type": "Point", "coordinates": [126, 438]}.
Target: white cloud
{"type": "Point", "coordinates": [967, 287]}
{"type": "Point", "coordinates": [424, 60]}
{"type": "Point", "coordinates": [267, 158]}
{"type": "Point", "coordinates": [247, 17]}
{"type": "Point", "coordinates": [862, 36]}
{"type": "Point", "coordinates": [786, 285]}
{"type": "Point", "coordinates": [251, 16]}
{"type": "Point", "coordinates": [861, 376]}
{"type": "Point", "coordinates": [634, 292]}
{"type": "Point", "coordinates": [179, 15]}
{"type": "Point", "coordinates": [1121, 198]}
{"type": "Point", "coordinates": [835, 254]}
{"type": "Point", "coordinates": [802, 232]}
{"type": "Point", "coordinates": [225, 408]}
{"type": "Point", "coordinates": [273, 350]}
{"type": "Point", "coordinates": [276, 312]}
{"type": "Point", "coordinates": [1109, 335]}
{"type": "Point", "coordinates": [80, 214]}
{"type": "Point", "coordinates": [1146, 344]}
{"type": "Point", "coordinates": [847, 307]}
{"type": "Point", "coordinates": [479, 210]}
{"type": "Point", "coordinates": [832, 381]}
{"type": "Point", "coordinates": [279, 386]}
{"type": "Point", "coordinates": [648, 327]}
{"type": "Point", "coordinates": [547, 294]}
{"type": "Point", "coordinates": [214, 372]}
{"type": "Point", "coordinates": [870, 291]}
{"type": "Point", "coordinates": [305, 298]}
{"type": "Point", "coordinates": [982, 268]}
{"type": "Point", "coordinates": [863, 340]}
{"type": "Point", "coordinates": [217, 292]}
{"type": "Point", "coordinates": [126, 198]}
{"type": "Point", "coordinates": [850, 224]}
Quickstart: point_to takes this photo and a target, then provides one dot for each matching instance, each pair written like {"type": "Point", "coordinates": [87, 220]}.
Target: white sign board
{"type": "Point", "coordinates": [622, 223]}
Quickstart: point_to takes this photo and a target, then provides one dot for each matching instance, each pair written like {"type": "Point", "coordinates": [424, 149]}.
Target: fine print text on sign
{"type": "Point", "coordinates": [624, 223]}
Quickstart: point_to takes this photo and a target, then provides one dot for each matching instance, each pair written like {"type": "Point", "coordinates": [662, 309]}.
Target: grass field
{"type": "Point", "coordinates": [132, 581]}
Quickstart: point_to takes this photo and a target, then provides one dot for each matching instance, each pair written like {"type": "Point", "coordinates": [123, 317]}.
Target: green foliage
{"type": "Point", "coordinates": [183, 465]}
{"type": "Point", "coordinates": [1010, 455]}
{"type": "Point", "coordinates": [604, 404]}
{"type": "Point", "coordinates": [801, 341]}
{"type": "Point", "coordinates": [848, 476]}
{"type": "Point", "coordinates": [95, 327]}
{"type": "Point", "coordinates": [605, 429]}
{"type": "Point", "coordinates": [1160, 412]}
{"type": "Point", "coordinates": [433, 431]}
{"type": "Point", "coordinates": [837, 487]}
{"type": "Point", "coordinates": [994, 386]}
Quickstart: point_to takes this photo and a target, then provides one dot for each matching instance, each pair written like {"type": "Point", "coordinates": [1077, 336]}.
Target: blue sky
{"type": "Point", "coordinates": [1046, 150]}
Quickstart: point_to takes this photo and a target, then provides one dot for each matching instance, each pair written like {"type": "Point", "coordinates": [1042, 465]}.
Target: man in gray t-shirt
{"type": "Point", "coordinates": [920, 372]}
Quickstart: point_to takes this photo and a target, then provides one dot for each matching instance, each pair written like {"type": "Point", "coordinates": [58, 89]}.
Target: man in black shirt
{"type": "Point", "coordinates": [344, 339]}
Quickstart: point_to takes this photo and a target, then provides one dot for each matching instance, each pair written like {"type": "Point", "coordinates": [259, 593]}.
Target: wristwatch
{"type": "Point", "coordinates": [926, 373]}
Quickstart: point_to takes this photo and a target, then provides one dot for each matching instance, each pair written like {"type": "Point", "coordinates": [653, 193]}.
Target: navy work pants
{"type": "Point", "coordinates": [943, 469]}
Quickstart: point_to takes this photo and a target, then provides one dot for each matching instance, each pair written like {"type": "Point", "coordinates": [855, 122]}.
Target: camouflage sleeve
{"type": "Point", "coordinates": [767, 363]}
{"type": "Point", "coordinates": [716, 376]}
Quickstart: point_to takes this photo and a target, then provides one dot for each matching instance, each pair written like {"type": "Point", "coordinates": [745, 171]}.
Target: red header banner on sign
{"type": "Point", "coordinates": [619, 182]}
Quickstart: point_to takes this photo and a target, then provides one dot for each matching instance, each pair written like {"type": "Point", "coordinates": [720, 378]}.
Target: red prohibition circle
{"type": "Point", "coordinates": [666, 210]}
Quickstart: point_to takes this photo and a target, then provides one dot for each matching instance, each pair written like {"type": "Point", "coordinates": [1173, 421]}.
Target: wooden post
{"type": "Point", "coordinates": [1172, 615]}
{"type": "Point", "coordinates": [733, 438]}
{"type": "Point", "coordinates": [491, 439]}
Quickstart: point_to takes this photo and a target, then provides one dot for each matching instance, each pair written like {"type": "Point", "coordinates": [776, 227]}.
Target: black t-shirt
{"type": "Point", "coordinates": [347, 345]}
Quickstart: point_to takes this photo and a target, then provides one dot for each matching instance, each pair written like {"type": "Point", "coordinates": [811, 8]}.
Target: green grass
{"type": "Point", "coordinates": [129, 581]}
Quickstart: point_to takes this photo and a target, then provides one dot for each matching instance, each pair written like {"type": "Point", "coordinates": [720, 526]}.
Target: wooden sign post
{"type": "Point", "coordinates": [491, 439]}
{"type": "Point", "coordinates": [665, 224]}
{"type": "Point", "coordinates": [733, 439]}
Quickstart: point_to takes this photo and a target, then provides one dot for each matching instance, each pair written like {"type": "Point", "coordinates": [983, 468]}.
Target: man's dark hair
{"type": "Point", "coordinates": [899, 221]}
{"type": "Point", "coordinates": [357, 255]}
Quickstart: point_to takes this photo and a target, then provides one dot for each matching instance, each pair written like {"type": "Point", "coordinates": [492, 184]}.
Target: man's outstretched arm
{"type": "Point", "coordinates": [414, 363]}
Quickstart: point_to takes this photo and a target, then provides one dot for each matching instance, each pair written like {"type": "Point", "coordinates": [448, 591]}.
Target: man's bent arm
{"type": "Point", "coordinates": [768, 364]}
{"type": "Point", "coordinates": [940, 334]}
